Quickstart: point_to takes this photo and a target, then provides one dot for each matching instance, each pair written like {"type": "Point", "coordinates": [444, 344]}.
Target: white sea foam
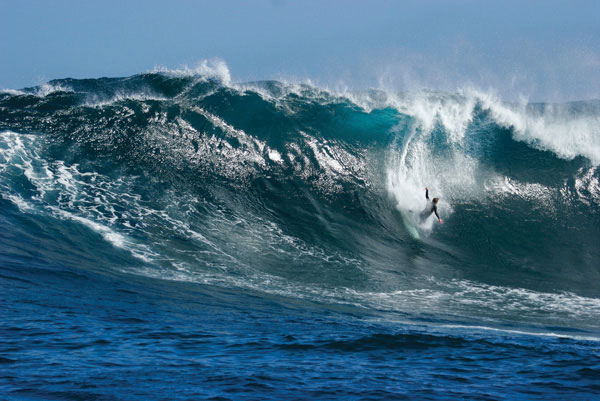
{"type": "Point", "coordinates": [13, 92]}
{"type": "Point", "coordinates": [275, 156]}
{"type": "Point", "coordinates": [47, 89]}
{"type": "Point", "coordinates": [556, 128]}
{"type": "Point", "coordinates": [587, 186]}
{"type": "Point", "coordinates": [71, 188]}
{"type": "Point", "coordinates": [560, 128]}
{"type": "Point", "coordinates": [213, 69]}
{"type": "Point", "coordinates": [539, 333]}
{"type": "Point", "coordinates": [491, 304]}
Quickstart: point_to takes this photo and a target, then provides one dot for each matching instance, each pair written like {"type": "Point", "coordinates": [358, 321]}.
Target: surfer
{"type": "Point", "coordinates": [431, 208]}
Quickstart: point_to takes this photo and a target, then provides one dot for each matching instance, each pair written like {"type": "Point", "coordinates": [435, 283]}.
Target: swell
{"type": "Point", "coordinates": [299, 191]}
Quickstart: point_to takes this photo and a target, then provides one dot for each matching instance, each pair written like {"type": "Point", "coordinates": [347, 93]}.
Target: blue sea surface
{"type": "Point", "coordinates": [171, 236]}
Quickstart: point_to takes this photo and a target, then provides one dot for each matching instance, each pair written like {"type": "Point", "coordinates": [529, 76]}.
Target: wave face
{"type": "Point", "coordinates": [293, 192]}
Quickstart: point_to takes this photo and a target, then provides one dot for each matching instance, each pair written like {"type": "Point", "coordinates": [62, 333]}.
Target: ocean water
{"type": "Point", "coordinates": [176, 236]}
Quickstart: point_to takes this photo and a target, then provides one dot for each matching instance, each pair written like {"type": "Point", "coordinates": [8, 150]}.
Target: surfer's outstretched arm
{"type": "Point", "coordinates": [426, 193]}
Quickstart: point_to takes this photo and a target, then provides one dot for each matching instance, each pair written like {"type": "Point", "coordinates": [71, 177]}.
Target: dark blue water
{"type": "Point", "coordinates": [171, 236]}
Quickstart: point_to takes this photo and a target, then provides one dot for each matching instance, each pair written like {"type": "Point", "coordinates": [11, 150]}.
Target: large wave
{"type": "Point", "coordinates": [296, 190]}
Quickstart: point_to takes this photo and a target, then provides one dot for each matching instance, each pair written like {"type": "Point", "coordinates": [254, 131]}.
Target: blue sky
{"type": "Point", "coordinates": [544, 50]}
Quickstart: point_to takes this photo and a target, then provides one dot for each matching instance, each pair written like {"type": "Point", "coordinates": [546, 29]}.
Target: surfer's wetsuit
{"type": "Point", "coordinates": [431, 208]}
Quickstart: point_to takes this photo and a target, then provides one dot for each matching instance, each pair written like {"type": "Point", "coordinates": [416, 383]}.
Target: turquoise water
{"type": "Point", "coordinates": [177, 236]}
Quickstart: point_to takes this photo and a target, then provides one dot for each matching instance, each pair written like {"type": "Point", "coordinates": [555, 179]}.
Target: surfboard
{"type": "Point", "coordinates": [409, 224]}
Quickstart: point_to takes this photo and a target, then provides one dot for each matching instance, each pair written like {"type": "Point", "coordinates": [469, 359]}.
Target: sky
{"type": "Point", "coordinates": [540, 50]}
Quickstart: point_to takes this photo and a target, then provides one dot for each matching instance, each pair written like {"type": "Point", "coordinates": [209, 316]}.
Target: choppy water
{"type": "Point", "coordinates": [179, 236]}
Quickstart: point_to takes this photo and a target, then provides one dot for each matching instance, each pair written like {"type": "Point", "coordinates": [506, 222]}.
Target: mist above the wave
{"type": "Point", "coordinates": [518, 70]}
